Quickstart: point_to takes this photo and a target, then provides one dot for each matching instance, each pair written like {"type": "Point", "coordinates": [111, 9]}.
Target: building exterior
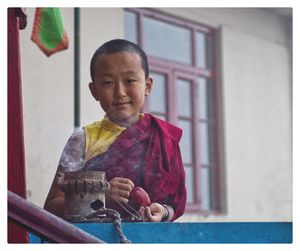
{"type": "Point", "coordinates": [224, 76]}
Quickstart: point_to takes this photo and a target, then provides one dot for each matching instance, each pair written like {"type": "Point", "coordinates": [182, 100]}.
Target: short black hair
{"type": "Point", "coordinates": [119, 45]}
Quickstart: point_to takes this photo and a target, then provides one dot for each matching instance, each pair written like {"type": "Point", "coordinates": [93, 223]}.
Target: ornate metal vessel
{"type": "Point", "coordinates": [84, 194]}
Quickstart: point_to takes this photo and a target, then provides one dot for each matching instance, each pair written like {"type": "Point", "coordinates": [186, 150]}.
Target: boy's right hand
{"type": "Point", "coordinates": [120, 188]}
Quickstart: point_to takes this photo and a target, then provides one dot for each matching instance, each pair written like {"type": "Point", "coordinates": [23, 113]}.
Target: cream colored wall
{"type": "Point", "coordinates": [257, 89]}
{"type": "Point", "coordinates": [48, 93]}
{"type": "Point", "coordinates": [258, 136]}
{"type": "Point", "coordinates": [256, 98]}
{"type": "Point", "coordinates": [48, 108]}
{"type": "Point", "coordinates": [257, 130]}
{"type": "Point", "coordinates": [97, 27]}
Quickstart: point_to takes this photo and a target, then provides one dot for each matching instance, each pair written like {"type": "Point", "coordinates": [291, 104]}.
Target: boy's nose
{"type": "Point", "coordinates": [120, 90]}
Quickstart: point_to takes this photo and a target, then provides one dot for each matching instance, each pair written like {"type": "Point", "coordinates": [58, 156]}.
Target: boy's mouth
{"type": "Point", "coordinates": [121, 103]}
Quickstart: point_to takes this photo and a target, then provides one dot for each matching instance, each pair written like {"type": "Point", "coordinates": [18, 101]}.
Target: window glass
{"type": "Point", "coordinates": [202, 98]}
{"type": "Point", "coordinates": [204, 143]}
{"type": "Point", "coordinates": [167, 41]}
{"type": "Point", "coordinates": [186, 141]}
{"type": "Point", "coordinates": [189, 183]}
{"type": "Point", "coordinates": [209, 49]}
{"type": "Point", "coordinates": [157, 98]}
{"type": "Point", "coordinates": [184, 50]}
{"type": "Point", "coordinates": [212, 143]}
{"type": "Point", "coordinates": [184, 98]}
{"type": "Point", "coordinates": [205, 188]}
{"type": "Point", "coordinates": [205, 99]}
{"type": "Point", "coordinates": [201, 56]}
{"type": "Point", "coordinates": [212, 188]}
{"type": "Point", "coordinates": [130, 20]}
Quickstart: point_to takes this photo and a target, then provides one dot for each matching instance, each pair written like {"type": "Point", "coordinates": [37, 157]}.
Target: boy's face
{"type": "Point", "coordinates": [120, 86]}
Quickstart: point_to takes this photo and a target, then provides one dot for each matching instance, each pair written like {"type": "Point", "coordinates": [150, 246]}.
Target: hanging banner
{"type": "Point", "coordinates": [48, 31]}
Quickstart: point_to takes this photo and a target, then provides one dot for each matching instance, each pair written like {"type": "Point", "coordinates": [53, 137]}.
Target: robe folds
{"type": "Point", "coordinates": [148, 153]}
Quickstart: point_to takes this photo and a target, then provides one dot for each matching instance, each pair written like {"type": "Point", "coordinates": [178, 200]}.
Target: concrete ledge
{"type": "Point", "coordinates": [234, 232]}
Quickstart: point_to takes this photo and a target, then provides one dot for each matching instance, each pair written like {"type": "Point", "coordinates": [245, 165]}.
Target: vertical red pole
{"type": "Point", "coordinates": [16, 156]}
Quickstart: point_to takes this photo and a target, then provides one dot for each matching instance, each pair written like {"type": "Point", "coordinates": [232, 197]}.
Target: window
{"type": "Point", "coordinates": [181, 59]}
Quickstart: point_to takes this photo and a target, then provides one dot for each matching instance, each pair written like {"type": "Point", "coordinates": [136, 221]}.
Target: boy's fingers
{"type": "Point", "coordinates": [126, 181]}
{"type": "Point", "coordinates": [142, 213]}
{"type": "Point", "coordinates": [119, 192]}
{"type": "Point", "coordinates": [123, 181]}
{"type": "Point", "coordinates": [124, 200]}
{"type": "Point", "coordinates": [148, 213]}
{"type": "Point", "coordinates": [154, 215]}
{"type": "Point", "coordinates": [123, 193]}
{"type": "Point", "coordinates": [124, 187]}
{"type": "Point", "coordinates": [118, 198]}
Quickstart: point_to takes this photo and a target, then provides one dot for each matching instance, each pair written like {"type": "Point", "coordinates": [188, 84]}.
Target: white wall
{"type": "Point", "coordinates": [256, 105]}
{"type": "Point", "coordinates": [48, 108]}
{"type": "Point", "coordinates": [256, 83]}
{"type": "Point", "coordinates": [258, 127]}
{"type": "Point", "coordinates": [48, 93]}
{"type": "Point", "coordinates": [97, 27]}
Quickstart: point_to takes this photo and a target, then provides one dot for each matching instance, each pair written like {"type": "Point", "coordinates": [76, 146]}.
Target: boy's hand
{"type": "Point", "coordinates": [153, 213]}
{"type": "Point", "coordinates": [120, 188]}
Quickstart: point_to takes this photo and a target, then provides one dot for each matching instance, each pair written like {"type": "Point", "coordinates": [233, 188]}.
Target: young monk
{"type": "Point", "coordinates": [132, 148]}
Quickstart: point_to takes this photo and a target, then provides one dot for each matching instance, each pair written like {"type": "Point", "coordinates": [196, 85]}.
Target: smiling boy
{"type": "Point", "coordinates": [120, 86]}
{"type": "Point", "coordinates": [132, 148]}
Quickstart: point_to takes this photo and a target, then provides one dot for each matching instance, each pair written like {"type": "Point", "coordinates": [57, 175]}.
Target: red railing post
{"type": "Point", "coordinates": [16, 158]}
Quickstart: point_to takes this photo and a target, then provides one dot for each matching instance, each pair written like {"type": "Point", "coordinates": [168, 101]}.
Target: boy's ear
{"type": "Point", "coordinates": [149, 83]}
{"type": "Point", "coordinates": [93, 90]}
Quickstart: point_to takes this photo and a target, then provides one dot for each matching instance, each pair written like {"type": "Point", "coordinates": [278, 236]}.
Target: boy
{"type": "Point", "coordinates": [132, 148]}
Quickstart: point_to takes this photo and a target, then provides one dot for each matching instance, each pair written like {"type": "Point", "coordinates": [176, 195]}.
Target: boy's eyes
{"type": "Point", "coordinates": [127, 81]}
{"type": "Point", "coordinates": [106, 82]}
{"type": "Point", "coordinates": [130, 81]}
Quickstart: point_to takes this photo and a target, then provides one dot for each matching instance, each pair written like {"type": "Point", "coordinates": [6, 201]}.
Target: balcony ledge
{"type": "Point", "coordinates": [233, 232]}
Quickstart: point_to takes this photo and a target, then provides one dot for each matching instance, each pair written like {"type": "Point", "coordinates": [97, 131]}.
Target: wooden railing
{"type": "Point", "coordinates": [46, 227]}
{"type": "Point", "coordinates": [45, 224]}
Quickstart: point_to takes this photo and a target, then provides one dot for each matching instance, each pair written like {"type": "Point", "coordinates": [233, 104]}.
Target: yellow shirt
{"type": "Point", "coordinates": [100, 135]}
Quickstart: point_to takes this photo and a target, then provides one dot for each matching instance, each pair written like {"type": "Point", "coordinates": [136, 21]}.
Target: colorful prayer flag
{"type": "Point", "coordinates": [48, 31]}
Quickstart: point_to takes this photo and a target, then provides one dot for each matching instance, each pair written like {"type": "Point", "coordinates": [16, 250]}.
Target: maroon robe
{"type": "Point", "coordinates": [148, 153]}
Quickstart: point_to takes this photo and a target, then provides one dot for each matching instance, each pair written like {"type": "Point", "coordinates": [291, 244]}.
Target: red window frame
{"type": "Point", "coordinates": [175, 70]}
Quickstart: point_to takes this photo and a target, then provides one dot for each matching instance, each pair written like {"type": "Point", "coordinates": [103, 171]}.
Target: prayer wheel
{"type": "Point", "coordinates": [84, 193]}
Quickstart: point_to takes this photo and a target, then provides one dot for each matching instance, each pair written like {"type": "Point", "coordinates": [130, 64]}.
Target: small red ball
{"type": "Point", "coordinates": [139, 198]}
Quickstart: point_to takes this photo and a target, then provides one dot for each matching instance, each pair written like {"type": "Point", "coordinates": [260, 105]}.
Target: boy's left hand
{"type": "Point", "coordinates": [153, 213]}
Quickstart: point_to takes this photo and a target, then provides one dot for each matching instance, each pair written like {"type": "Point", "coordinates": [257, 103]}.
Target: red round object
{"type": "Point", "coordinates": [139, 198]}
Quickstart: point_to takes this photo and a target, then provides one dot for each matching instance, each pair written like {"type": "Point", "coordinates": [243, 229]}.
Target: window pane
{"type": "Point", "coordinates": [130, 26]}
{"type": "Point", "coordinates": [189, 183]}
{"type": "Point", "coordinates": [212, 143]}
{"type": "Point", "coordinates": [204, 143]}
{"type": "Point", "coordinates": [186, 141]}
{"type": "Point", "coordinates": [205, 99]}
{"type": "Point", "coordinates": [212, 187]}
{"type": "Point", "coordinates": [157, 98]}
{"type": "Point", "coordinates": [207, 143]}
{"type": "Point", "coordinates": [205, 188]}
{"type": "Point", "coordinates": [202, 98]}
{"type": "Point", "coordinates": [184, 98]}
{"type": "Point", "coordinates": [207, 179]}
{"type": "Point", "coordinates": [167, 41]}
{"type": "Point", "coordinates": [203, 50]}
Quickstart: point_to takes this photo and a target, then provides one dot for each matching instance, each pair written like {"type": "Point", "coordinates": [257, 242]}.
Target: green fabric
{"type": "Point", "coordinates": [52, 28]}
